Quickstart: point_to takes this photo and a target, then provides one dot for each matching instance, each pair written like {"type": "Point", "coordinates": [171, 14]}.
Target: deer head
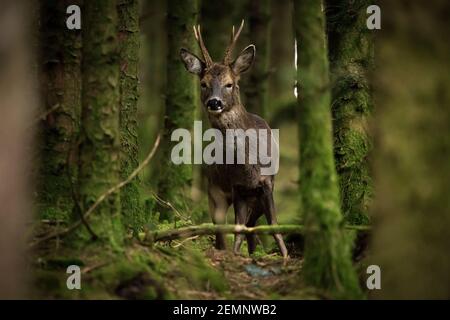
{"type": "Point", "coordinates": [219, 80]}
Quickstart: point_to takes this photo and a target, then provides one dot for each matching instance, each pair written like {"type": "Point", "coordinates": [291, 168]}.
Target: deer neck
{"type": "Point", "coordinates": [235, 118]}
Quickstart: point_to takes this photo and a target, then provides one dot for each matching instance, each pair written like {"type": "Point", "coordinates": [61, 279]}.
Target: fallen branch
{"type": "Point", "coordinates": [210, 229]}
{"type": "Point", "coordinates": [101, 198]}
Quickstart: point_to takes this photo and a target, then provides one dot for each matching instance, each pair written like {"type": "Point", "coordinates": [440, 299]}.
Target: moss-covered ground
{"type": "Point", "coordinates": [188, 269]}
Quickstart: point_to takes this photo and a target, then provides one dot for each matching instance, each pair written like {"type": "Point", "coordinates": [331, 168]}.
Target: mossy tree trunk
{"type": "Point", "coordinates": [60, 59]}
{"type": "Point", "coordinates": [256, 91]}
{"type": "Point", "coordinates": [99, 161]}
{"type": "Point", "coordinates": [128, 10]}
{"type": "Point", "coordinates": [350, 46]}
{"type": "Point", "coordinates": [175, 180]}
{"type": "Point", "coordinates": [328, 264]}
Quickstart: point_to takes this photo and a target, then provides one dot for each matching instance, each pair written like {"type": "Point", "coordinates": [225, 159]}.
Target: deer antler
{"type": "Point", "coordinates": [229, 51]}
{"type": "Point", "coordinates": [205, 53]}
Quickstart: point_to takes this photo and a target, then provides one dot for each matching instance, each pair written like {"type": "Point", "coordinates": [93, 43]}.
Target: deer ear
{"type": "Point", "coordinates": [192, 63]}
{"type": "Point", "coordinates": [244, 61]}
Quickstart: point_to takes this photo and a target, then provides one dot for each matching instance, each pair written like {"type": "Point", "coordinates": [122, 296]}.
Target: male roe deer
{"type": "Point", "coordinates": [242, 185]}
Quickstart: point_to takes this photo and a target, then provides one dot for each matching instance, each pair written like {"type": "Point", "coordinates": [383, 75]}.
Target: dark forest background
{"type": "Point", "coordinates": [85, 149]}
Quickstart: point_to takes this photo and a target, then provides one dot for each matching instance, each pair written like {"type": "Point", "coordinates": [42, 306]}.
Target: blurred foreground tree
{"type": "Point", "coordinates": [99, 164]}
{"type": "Point", "coordinates": [18, 104]}
{"type": "Point", "coordinates": [175, 180]}
{"type": "Point", "coordinates": [60, 78]}
{"type": "Point", "coordinates": [327, 264]}
{"type": "Point", "coordinates": [412, 142]}
{"type": "Point", "coordinates": [350, 45]}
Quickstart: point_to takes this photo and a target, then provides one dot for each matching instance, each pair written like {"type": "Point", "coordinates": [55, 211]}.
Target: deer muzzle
{"type": "Point", "coordinates": [214, 105]}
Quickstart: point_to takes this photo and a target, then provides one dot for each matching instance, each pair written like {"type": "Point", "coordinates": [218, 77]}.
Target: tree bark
{"type": "Point", "coordinates": [327, 263]}
{"type": "Point", "coordinates": [99, 150]}
{"type": "Point", "coordinates": [60, 79]}
{"type": "Point", "coordinates": [350, 46]}
{"type": "Point", "coordinates": [175, 180]}
{"type": "Point", "coordinates": [132, 211]}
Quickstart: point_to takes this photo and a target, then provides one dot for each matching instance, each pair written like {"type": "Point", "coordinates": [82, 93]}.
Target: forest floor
{"type": "Point", "coordinates": [177, 270]}
{"type": "Point", "coordinates": [265, 277]}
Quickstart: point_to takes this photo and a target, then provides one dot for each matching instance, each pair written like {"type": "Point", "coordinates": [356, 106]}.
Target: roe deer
{"type": "Point", "coordinates": [242, 185]}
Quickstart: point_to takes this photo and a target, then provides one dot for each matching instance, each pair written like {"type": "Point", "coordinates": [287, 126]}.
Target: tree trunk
{"type": "Point", "coordinates": [256, 92]}
{"type": "Point", "coordinates": [60, 60]}
{"type": "Point", "coordinates": [99, 150]}
{"type": "Point", "coordinates": [351, 59]}
{"type": "Point", "coordinates": [132, 211]}
{"type": "Point", "coordinates": [175, 180]}
{"type": "Point", "coordinates": [327, 252]}
{"type": "Point", "coordinates": [18, 104]}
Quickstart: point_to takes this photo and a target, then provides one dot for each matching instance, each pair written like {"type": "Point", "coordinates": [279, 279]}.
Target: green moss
{"type": "Point", "coordinates": [327, 264]}
{"type": "Point", "coordinates": [60, 69]}
{"type": "Point", "coordinates": [100, 135]}
{"type": "Point", "coordinates": [351, 60]}
{"type": "Point", "coordinates": [202, 276]}
{"type": "Point", "coordinates": [132, 210]}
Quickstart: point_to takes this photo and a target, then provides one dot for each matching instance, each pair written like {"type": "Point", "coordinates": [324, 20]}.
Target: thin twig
{"type": "Point", "coordinates": [101, 198]}
{"type": "Point", "coordinates": [44, 114]}
{"type": "Point", "coordinates": [180, 243]}
{"type": "Point", "coordinates": [169, 205]}
{"type": "Point", "coordinates": [94, 267]}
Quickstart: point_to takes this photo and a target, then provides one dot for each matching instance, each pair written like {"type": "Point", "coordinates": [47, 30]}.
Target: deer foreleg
{"type": "Point", "coordinates": [218, 206]}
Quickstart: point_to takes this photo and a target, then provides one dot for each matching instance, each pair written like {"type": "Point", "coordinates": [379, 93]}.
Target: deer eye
{"type": "Point", "coordinates": [229, 85]}
{"type": "Point", "coordinates": [203, 85]}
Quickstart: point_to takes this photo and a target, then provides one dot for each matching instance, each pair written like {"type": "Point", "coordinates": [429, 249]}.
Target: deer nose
{"type": "Point", "coordinates": [214, 105]}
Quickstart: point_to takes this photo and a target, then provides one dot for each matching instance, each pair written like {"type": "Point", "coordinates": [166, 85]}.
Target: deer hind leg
{"type": "Point", "coordinates": [240, 215]}
{"type": "Point", "coordinates": [218, 206]}
{"type": "Point", "coordinates": [251, 238]}
{"type": "Point", "coordinates": [270, 213]}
